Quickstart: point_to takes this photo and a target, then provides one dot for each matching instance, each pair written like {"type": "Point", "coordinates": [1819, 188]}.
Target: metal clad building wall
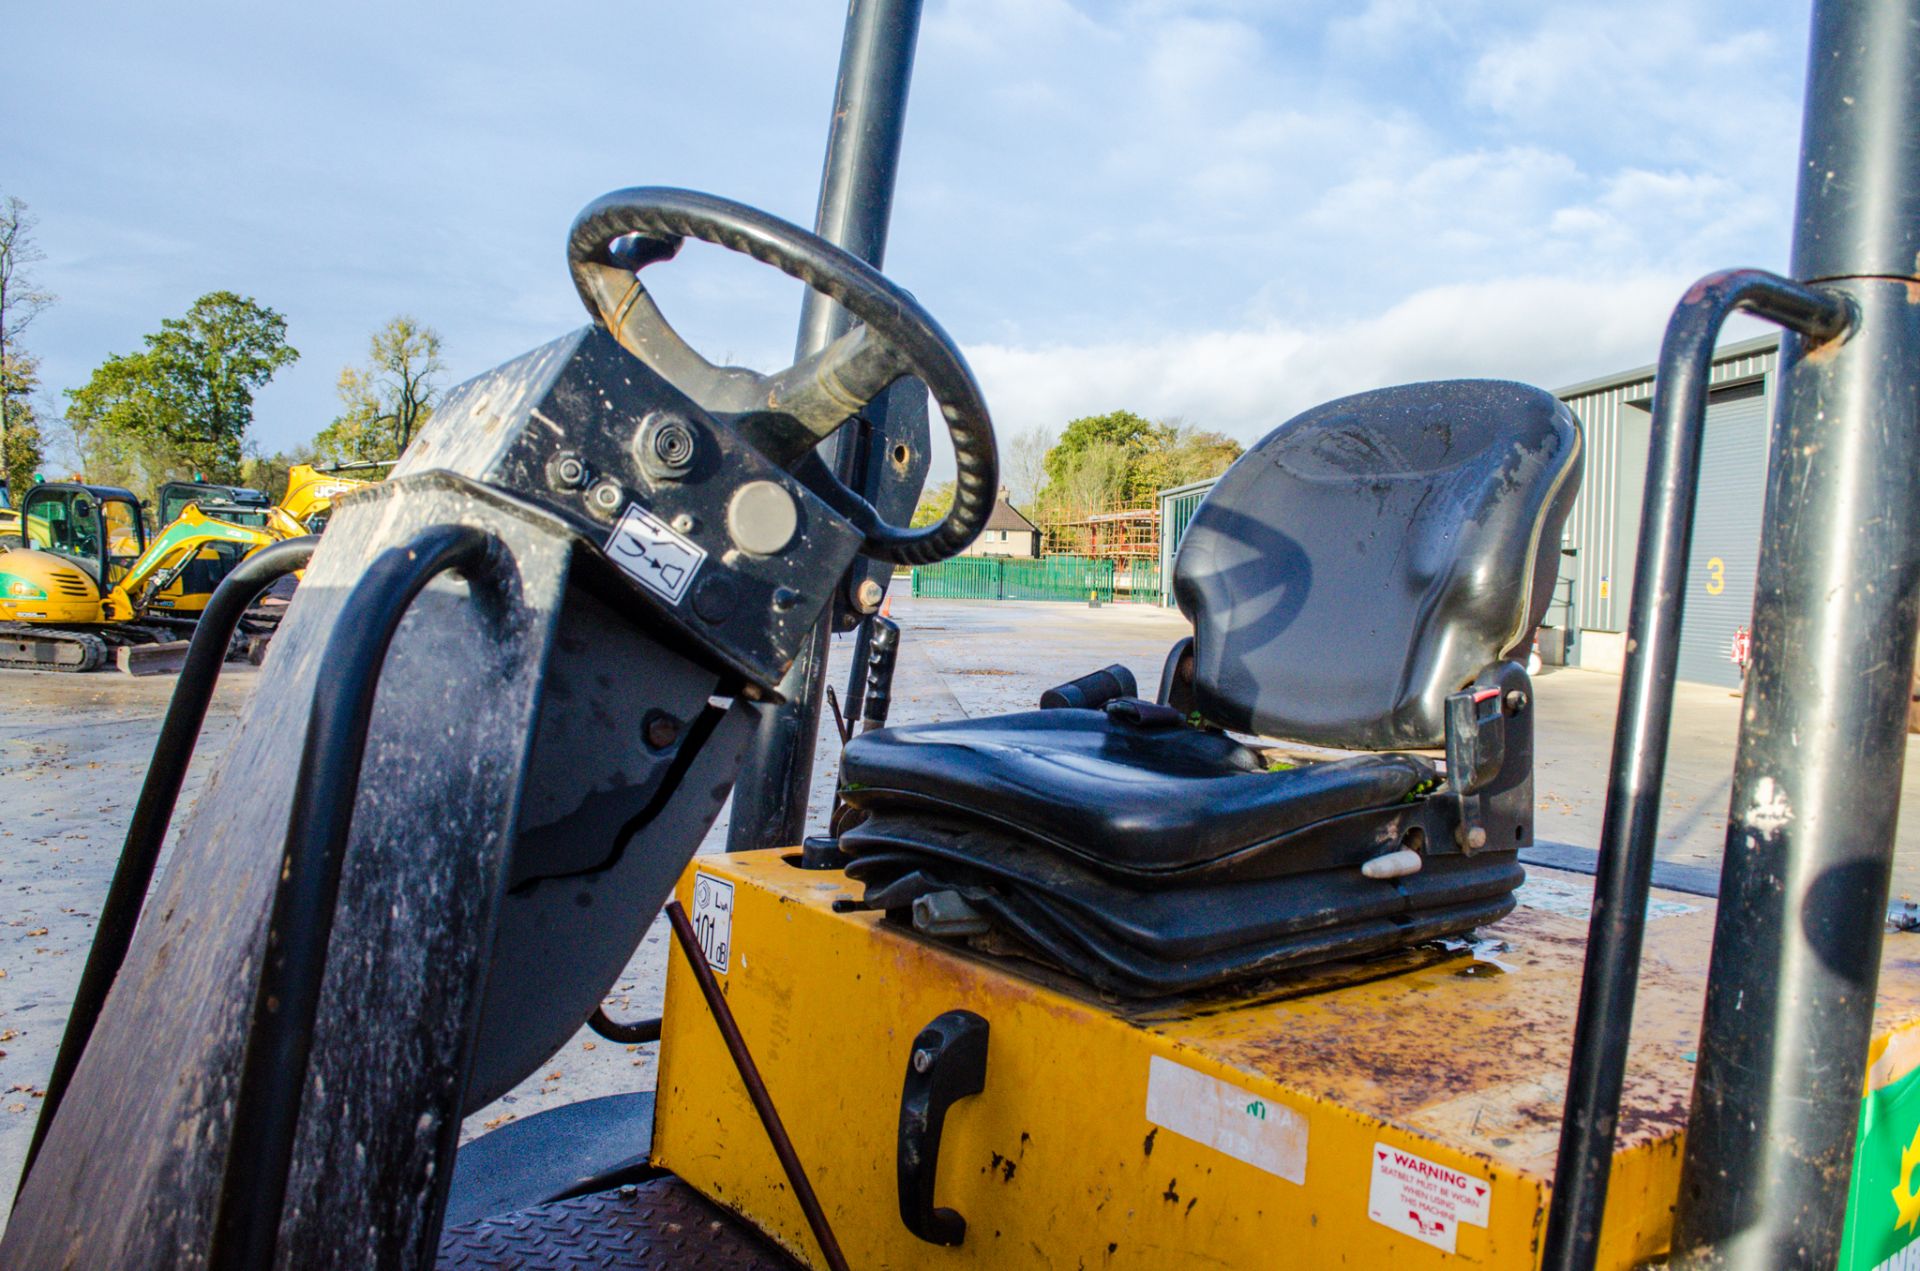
{"type": "Point", "coordinates": [1177, 507]}
{"type": "Point", "coordinates": [1725, 556]}
{"type": "Point", "coordinates": [1592, 525]}
{"type": "Point", "coordinates": [1596, 525]}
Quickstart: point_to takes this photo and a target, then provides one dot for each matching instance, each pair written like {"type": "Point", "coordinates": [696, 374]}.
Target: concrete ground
{"type": "Point", "coordinates": [74, 748]}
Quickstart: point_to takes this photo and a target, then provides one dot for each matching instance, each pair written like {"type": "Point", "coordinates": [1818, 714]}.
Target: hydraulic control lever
{"type": "Point", "coordinates": [883, 653]}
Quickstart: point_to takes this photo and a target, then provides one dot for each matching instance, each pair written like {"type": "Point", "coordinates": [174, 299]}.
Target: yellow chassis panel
{"type": "Point", "coordinates": [1459, 1060]}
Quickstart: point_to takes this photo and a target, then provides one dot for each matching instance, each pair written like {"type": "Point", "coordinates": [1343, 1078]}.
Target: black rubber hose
{"type": "Point", "coordinates": [273, 1073]}
{"type": "Point", "coordinates": [179, 732]}
{"type": "Point", "coordinates": [638, 1033]}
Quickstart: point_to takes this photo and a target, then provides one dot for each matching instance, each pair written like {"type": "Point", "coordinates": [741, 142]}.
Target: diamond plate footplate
{"type": "Point", "coordinates": [658, 1224]}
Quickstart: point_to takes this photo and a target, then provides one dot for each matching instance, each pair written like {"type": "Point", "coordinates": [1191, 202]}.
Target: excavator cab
{"type": "Point", "coordinates": [237, 504]}
{"type": "Point", "coordinates": [95, 527]}
{"type": "Point", "coordinates": [187, 591]}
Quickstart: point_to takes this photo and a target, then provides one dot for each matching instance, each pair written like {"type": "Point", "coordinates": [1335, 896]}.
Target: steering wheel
{"type": "Point", "coordinates": [787, 413]}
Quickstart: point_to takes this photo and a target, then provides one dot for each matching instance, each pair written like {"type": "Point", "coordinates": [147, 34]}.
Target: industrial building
{"type": "Point", "coordinates": [1587, 621]}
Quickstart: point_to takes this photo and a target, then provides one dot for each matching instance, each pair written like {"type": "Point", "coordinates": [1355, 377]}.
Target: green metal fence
{"type": "Point", "coordinates": [1142, 583]}
{"type": "Point", "coordinates": [1016, 578]}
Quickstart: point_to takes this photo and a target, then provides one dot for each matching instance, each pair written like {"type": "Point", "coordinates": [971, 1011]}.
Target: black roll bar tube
{"type": "Point", "coordinates": [159, 793]}
{"type": "Point", "coordinates": [273, 1072]}
{"type": "Point", "coordinates": [1631, 822]}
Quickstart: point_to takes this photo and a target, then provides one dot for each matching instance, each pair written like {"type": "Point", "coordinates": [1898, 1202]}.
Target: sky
{"type": "Point", "coordinates": [1221, 211]}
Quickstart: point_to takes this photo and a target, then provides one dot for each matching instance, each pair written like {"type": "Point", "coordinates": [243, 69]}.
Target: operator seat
{"type": "Point", "coordinates": [1360, 580]}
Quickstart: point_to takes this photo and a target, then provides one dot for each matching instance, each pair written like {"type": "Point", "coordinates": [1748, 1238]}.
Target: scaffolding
{"type": "Point", "coordinates": [1118, 534]}
{"type": "Point", "coordinates": [1127, 536]}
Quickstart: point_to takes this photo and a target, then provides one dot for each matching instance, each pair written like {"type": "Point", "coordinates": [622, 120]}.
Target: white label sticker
{"type": "Point", "coordinates": [1424, 1199]}
{"type": "Point", "coordinates": [659, 556]}
{"type": "Point", "coordinates": [1228, 1119]}
{"type": "Point", "coordinates": [713, 919]}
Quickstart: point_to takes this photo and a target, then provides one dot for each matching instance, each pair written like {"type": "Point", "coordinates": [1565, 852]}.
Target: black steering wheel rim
{"type": "Point", "coordinates": [661, 217]}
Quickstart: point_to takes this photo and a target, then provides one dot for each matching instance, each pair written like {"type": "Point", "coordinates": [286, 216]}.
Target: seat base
{"type": "Point", "coordinates": [952, 877]}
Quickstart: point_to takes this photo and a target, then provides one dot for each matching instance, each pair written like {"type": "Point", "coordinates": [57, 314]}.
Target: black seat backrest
{"type": "Point", "coordinates": [1370, 556]}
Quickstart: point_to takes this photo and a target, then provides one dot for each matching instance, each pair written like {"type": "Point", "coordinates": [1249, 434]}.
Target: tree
{"type": "Point", "coordinates": [934, 502]}
{"type": "Point", "coordinates": [268, 473]}
{"type": "Point", "coordinates": [1120, 458]}
{"type": "Point", "coordinates": [1025, 465]}
{"type": "Point", "coordinates": [20, 303]}
{"type": "Point", "coordinates": [21, 446]}
{"type": "Point", "coordinates": [184, 404]}
{"type": "Point", "coordinates": [390, 398]}
{"type": "Point", "coordinates": [1119, 429]}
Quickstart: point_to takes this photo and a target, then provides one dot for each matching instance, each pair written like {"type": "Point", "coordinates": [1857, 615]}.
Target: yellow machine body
{"type": "Point", "coordinates": [1316, 1122]}
{"type": "Point", "coordinates": [311, 492]}
{"type": "Point", "coordinates": [188, 592]}
{"type": "Point", "coordinates": [43, 587]}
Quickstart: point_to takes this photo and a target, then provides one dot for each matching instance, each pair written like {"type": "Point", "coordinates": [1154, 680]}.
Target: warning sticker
{"type": "Point", "coordinates": [659, 557]}
{"type": "Point", "coordinates": [1424, 1199]}
{"type": "Point", "coordinates": [1228, 1119]}
{"type": "Point", "coordinates": [713, 919]}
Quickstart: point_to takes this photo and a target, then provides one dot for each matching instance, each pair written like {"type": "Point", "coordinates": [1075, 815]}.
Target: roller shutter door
{"type": "Point", "coordinates": [1726, 534]}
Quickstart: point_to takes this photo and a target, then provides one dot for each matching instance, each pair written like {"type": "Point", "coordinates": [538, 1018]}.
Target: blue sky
{"type": "Point", "coordinates": [1222, 211]}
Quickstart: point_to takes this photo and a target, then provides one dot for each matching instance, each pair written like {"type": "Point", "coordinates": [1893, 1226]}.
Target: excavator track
{"type": "Point", "coordinates": [27, 647]}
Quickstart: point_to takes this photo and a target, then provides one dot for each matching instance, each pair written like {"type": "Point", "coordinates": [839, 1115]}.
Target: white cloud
{"type": "Point", "coordinates": [1244, 381]}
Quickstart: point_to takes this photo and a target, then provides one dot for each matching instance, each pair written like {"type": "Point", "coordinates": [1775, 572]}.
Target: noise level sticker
{"type": "Point", "coordinates": [1228, 1119]}
{"type": "Point", "coordinates": [713, 919]}
{"type": "Point", "coordinates": [1424, 1199]}
{"type": "Point", "coordinates": [659, 557]}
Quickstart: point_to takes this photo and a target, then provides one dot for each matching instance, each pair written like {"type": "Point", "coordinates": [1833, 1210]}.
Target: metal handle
{"type": "Point", "coordinates": [948, 1062]}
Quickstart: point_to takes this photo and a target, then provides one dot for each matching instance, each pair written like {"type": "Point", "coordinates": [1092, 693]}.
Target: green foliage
{"type": "Point", "coordinates": [20, 303]}
{"type": "Point", "coordinates": [268, 473]}
{"type": "Point", "coordinates": [934, 502]}
{"type": "Point", "coordinates": [21, 446]}
{"type": "Point", "coordinates": [1121, 459]}
{"type": "Point", "coordinates": [184, 404]}
{"type": "Point", "coordinates": [386, 401]}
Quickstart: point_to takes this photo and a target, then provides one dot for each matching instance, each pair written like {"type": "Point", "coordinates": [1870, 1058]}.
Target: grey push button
{"type": "Point", "coordinates": [761, 518]}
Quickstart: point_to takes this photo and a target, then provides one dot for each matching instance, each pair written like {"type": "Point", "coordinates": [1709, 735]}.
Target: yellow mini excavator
{"type": "Point", "coordinates": [84, 579]}
{"type": "Point", "coordinates": [303, 509]}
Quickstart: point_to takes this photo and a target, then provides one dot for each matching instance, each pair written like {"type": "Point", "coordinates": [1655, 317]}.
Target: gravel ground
{"type": "Point", "coordinates": [73, 750]}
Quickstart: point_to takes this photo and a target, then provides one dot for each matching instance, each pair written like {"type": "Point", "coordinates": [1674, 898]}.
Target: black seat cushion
{"type": "Point", "coordinates": [1128, 800]}
{"type": "Point", "coordinates": [1370, 556]}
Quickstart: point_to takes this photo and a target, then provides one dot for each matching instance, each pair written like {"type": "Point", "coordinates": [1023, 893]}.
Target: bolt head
{"type": "Point", "coordinates": [567, 471]}
{"type": "Point", "coordinates": [922, 1060]}
{"type": "Point", "coordinates": [868, 595]}
{"type": "Point", "coordinates": [1515, 701]}
{"type": "Point", "coordinates": [785, 598]}
{"type": "Point", "coordinates": [662, 731]}
{"type": "Point", "coordinates": [606, 496]}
